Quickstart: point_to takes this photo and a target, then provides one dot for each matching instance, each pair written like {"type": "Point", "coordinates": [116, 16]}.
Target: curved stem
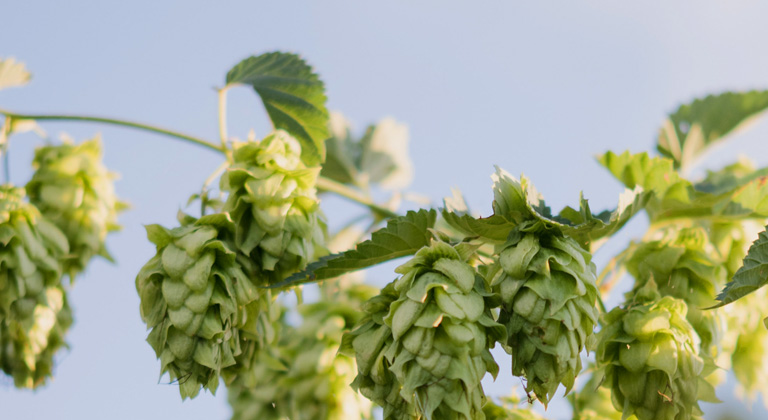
{"type": "Point", "coordinates": [113, 121]}
{"type": "Point", "coordinates": [329, 185]}
{"type": "Point", "coordinates": [222, 93]}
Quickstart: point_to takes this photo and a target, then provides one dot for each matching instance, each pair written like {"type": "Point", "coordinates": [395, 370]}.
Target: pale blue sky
{"type": "Point", "coordinates": [535, 87]}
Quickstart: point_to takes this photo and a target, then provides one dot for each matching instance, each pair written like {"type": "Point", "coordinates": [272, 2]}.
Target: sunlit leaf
{"type": "Point", "coordinates": [696, 126]}
{"type": "Point", "coordinates": [293, 95]}
{"type": "Point", "coordinates": [12, 73]}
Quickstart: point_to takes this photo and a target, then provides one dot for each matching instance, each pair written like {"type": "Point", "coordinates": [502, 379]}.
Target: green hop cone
{"type": "Point", "coordinates": [682, 267]}
{"type": "Point", "coordinates": [368, 342]}
{"type": "Point", "coordinates": [302, 377]}
{"type": "Point", "coordinates": [34, 314]}
{"type": "Point", "coordinates": [272, 199]}
{"type": "Point", "coordinates": [74, 190]}
{"type": "Point", "coordinates": [649, 353]}
{"type": "Point", "coordinates": [197, 296]}
{"type": "Point", "coordinates": [548, 294]}
{"type": "Point", "coordinates": [441, 332]}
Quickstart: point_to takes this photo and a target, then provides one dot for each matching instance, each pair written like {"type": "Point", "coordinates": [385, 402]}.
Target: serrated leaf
{"type": "Point", "coordinates": [696, 126]}
{"type": "Point", "coordinates": [293, 96]}
{"type": "Point", "coordinates": [752, 275]}
{"type": "Point", "coordinates": [403, 236]}
{"type": "Point", "coordinates": [13, 73]}
{"type": "Point", "coordinates": [516, 202]}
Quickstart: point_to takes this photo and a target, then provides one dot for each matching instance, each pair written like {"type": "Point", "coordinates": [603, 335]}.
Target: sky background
{"type": "Point", "coordinates": [538, 88]}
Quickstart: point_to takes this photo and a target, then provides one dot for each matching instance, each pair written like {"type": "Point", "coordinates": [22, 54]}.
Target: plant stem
{"type": "Point", "coordinates": [325, 184]}
{"type": "Point", "coordinates": [223, 117]}
{"type": "Point", "coordinates": [113, 121]}
{"type": "Point", "coordinates": [4, 138]}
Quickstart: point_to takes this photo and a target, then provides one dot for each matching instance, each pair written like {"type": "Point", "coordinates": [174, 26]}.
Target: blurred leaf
{"type": "Point", "coordinates": [293, 95]}
{"type": "Point", "coordinates": [13, 73]}
{"type": "Point", "coordinates": [403, 236]}
{"type": "Point", "coordinates": [385, 156]}
{"type": "Point", "coordinates": [751, 276]}
{"type": "Point", "coordinates": [341, 153]}
{"type": "Point", "coordinates": [702, 123]}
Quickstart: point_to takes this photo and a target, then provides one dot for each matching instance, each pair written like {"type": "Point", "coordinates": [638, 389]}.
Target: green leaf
{"type": "Point", "coordinates": [12, 73]}
{"type": "Point", "coordinates": [403, 236]}
{"type": "Point", "coordinates": [293, 95]}
{"type": "Point", "coordinates": [752, 275]}
{"type": "Point", "coordinates": [517, 202]}
{"type": "Point", "coordinates": [696, 126]}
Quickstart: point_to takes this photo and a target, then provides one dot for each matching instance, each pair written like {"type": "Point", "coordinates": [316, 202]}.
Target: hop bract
{"type": "Point", "coordinates": [34, 313]}
{"type": "Point", "coordinates": [302, 377]}
{"type": "Point", "coordinates": [548, 294]}
{"type": "Point", "coordinates": [196, 296]}
{"type": "Point", "coordinates": [73, 189]}
{"type": "Point", "coordinates": [650, 354]}
{"type": "Point", "coordinates": [272, 199]}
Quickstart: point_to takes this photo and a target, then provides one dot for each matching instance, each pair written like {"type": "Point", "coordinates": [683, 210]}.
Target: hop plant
{"type": "Point", "coordinates": [302, 377]}
{"type": "Point", "coordinates": [683, 266]}
{"type": "Point", "coordinates": [34, 313]}
{"type": "Point", "coordinates": [649, 353]}
{"type": "Point", "coordinates": [74, 190]}
{"type": "Point", "coordinates": [548, 294]}
{"type": "Point", "coordinates": [272, 199]}
{"type": "Point", "coordinates": [441, 332]}
{"type": "Point", "coordinates": [197, 296]}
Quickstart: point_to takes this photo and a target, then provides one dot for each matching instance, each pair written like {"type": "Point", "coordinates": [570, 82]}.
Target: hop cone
{"type": "Point", "coordinates": [649, 352]}
{"type": "Point", "coordinates": [273, 202]}
{"type": "Point", "coordinates": [440, 331]}
{"type": "Point", "coordinates": [197, 296]}
{"type": "Point", "coordinates": [368, 343]}
{"type": "Point", "coordinates": [548, 293]}
{"type": "Point", "coordinates": [682, 267]}
{"type": "Point", "coordinates": [302, 377]}
{"type": "Point", "coordinates": [34, 314]}
{"type": "Point", "coordinates": [74, 190]}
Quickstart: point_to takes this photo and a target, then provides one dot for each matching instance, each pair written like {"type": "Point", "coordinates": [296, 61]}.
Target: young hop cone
{"type": "Point", "coordinates": [649, 353]}
{"type": "Point", "coordinates": [368, 342]}
{"type": "Point", "coordinates": [548, 294]}
{"type": "Point", "coordinates": [302, 377]}
{"type": "Point", "coordinates": [197, 295]}
{"type": "Point", "coordinates": [272, 199]}
{"type": "Point", "coordinates": [72, 188]}
{"type": "Point", "coordinates": [34, 314]}
{"type": "Point", "coordinates": [682, 267]}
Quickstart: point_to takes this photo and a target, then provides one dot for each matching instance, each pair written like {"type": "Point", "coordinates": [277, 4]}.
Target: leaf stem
{"type": "Point", "coordinates": [113, 121]}
{"type": "Point", "coordinates": [5, 131]}
{"type": "Point", "coordinates": [329, 185]}
{"type": "Point", "coordinates": [222, 93]}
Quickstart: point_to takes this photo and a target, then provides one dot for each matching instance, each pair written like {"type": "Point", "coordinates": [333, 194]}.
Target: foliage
{"type": "Point", "coordinates": [522, 277]}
